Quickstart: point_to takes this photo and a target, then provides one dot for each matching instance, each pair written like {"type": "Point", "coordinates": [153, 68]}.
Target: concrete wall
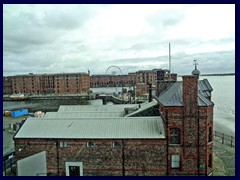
{"type": "Point", "coordinates": [34, 165]}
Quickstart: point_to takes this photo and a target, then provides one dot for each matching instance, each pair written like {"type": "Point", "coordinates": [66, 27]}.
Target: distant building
{"type": "Point", "coordinates": [70, 83]}
{"type": "Point", "coordinates": [7, 85]}
{"type": "Point", "coordinates": [74, 83]}
{"type": "Point", "coordinates": [112, 80]}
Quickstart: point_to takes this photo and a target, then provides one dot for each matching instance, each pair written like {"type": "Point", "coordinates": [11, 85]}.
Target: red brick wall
{"type": "Point", "coordinates": [141, 157]}
{"type": "Point", "coordinates": [142, 88]}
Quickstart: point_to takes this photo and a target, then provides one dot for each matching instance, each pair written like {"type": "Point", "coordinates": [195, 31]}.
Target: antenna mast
{"type": "Point", "coordinates": [169, 61]}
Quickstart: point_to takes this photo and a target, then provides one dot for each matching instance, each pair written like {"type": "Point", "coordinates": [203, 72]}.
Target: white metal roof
{"type": "Point", "coordinates": [86, 114]}
{"type": "Point", "coordinates": [99, 108]}
{"type": "Point", "coordinates": [143, 107]}
{"type": "Point", "coordinates": [92, 128]}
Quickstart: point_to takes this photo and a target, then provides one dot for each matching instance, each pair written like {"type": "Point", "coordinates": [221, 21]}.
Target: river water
{"type": "Point", "coordinates": [223, 96]}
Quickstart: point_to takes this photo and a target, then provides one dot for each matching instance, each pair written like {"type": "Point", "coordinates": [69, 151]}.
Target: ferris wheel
{"type": "Point", "coordinates": [113, 70]}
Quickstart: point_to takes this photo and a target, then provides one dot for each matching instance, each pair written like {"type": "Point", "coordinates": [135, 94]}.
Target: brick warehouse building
{"type": "Point", "coordinates": [71, 83]}
{"type": "Point", "coordinates": [74, 83]}
{"type": "Point", "coordinates": [178, 140]}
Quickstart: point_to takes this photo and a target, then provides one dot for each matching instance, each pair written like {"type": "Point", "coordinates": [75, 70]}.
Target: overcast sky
{"type": "Point", "coordinates": [75, 38]}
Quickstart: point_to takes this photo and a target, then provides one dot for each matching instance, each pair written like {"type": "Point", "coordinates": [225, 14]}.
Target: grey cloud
{"type": "Point", "coordinates": [67, 19]}
{"type": "Point", "coordinates": [165, 18]}
{"type": "Point", "coordinates": [214, 62]}
{"type": "Point", "coordinates": [24, 30]}
{"type": "Point", "coordinates": [144, 46]}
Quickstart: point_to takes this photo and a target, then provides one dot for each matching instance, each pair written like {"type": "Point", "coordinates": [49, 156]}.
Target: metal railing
{"type": "Point", "coordinates": [224, 138]}
{"type": "Point", "coordinates": [8, 165]}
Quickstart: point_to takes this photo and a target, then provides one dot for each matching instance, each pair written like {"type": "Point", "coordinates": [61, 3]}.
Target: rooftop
{"type": "Point", "coordinates": [85, 114]}
{"type": "Point", "coordinates": [173, 95]}
{"type": "Point", "coordinates": [92, 128]}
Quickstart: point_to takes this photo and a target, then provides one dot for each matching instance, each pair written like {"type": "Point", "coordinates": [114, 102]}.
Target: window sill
{"type": "Point", "coordinates": [211, 142]}
{"type": "Point", "coordinates": [175, 144]}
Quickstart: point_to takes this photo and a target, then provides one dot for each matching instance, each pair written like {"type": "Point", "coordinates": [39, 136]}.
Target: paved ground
{"type": "Point", "coordinates": [224, 160]}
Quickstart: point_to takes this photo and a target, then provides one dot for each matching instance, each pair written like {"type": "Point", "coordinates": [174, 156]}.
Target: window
{"type": "Point", "coordinates": [175, 162]}
{"type": "Point", "coordinates": [210, 134]}
{"type": "Point", "coordinates": [174, 136]}
{"type": "Point", "coordinates": [90, 144]}
{"type": "Point", "coordinates": [63, 144]}
{"type": "Point", "coordinates": [210, 161]}
{"type": "Point", "coordinates": [117, 144]}
{"type": "Point", "coordinates": [74, 169]}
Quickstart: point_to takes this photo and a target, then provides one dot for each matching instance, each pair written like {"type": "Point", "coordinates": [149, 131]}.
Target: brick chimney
{"type": "Point", "coordinates": [190, 94]}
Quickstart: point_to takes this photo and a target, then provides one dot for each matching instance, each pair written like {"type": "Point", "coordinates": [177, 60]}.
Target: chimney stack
{"type": "Point", "coordinates": [190, 94]}
{"type": "Point", "coordinates": [150, 92]}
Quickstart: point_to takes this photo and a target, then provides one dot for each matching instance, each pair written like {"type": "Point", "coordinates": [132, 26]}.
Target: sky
{"type": "Point", "coordinates": [74, 38]}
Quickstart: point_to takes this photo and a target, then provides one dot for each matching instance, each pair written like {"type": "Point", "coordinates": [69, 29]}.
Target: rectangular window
{"type": "Point", "coordinates": [210, 134]}
{"type": "Point", "coordinates": [210, 161]}
{"type": "Point", "coordinates": [174, 136]}
{"type": "Point", "coordinates": [175, 162]}
{"type": "Point", "coordinates": [117, 144]}
{"type": "Point", "coordinates": [74, 169]}
{"type": "Point", "coordinates": [90, 144]}
{"type": "Point", "coordinates": [63, 144]}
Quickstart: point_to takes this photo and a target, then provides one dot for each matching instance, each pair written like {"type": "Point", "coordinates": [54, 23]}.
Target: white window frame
{"type": "Point", "coordinates": [175, 161]}
{"type": "Point", "coordinates": [80, 164]}
{"type": "Point", "coordinates": [88, 144]}
{"type": "Point", "coordinates": [63, 144]}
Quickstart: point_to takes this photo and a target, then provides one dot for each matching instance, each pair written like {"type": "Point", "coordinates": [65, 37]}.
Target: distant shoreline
{"type": "Point", "coordinates": [224, 74]}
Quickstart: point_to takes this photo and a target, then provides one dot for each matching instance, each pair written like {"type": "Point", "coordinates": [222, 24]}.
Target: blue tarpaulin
{"type": "Point", "coordinates": [19, 113]}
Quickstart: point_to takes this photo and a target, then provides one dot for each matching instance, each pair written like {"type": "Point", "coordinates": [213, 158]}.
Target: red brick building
{"type": "Point", "coordinates": [73, 83]}
{"type": "Point", "coordinates": [176, 141]}
{"type": "Point", "coordinates": [188, 115]}
{"type": "Point", "coordinates": [70, 83]}
{"type": "Point", "coordinates": [112, 80]}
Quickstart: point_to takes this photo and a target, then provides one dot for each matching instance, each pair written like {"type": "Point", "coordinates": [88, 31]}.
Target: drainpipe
{"type": "Point", "coordinates": [57, 157]}
{"type": "Point", "coordinates": [150, 92]}
{"type": "Point", "coordinates": [167, 173]}
{"type": "Point", "coordinates": [198, 160]}
{"type": "Point", "coordinates": [123, 159]}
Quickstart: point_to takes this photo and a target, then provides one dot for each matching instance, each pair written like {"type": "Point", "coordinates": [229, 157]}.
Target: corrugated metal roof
{"type": "Point", "coordinates": [173, 95]}
{"type": "Point", "coordinates": [97, 108]}
{"type": "Point", "coordinates": [86, 114]}
{"type": "Point", "coordinates": [143, 107]}
{"type": "Point", "coordinates": [101, 128]}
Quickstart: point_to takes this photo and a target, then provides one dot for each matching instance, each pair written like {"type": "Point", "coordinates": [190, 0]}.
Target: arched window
{"type": "Point", "coordinates": [210, 161]}
{"type": "Point", "coordinates": [174, 136]}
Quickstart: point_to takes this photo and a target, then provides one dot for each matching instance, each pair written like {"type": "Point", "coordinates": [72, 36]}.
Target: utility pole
{"type": "Point", "coordinates": [169, 61]}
